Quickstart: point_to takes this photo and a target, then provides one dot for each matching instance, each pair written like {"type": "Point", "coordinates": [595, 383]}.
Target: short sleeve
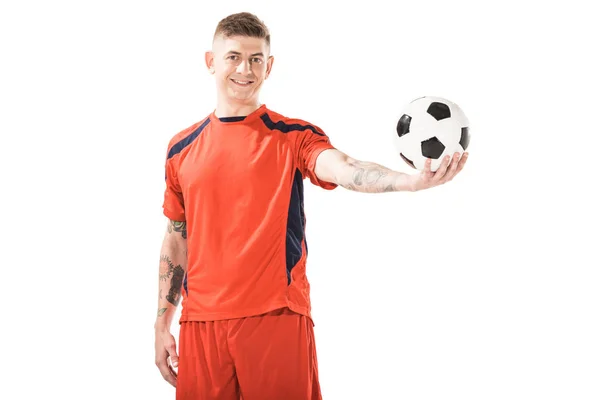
{"type": "Point", "coordinates": [311, 143]}
{"type": "Point", "coordinates": [173, 205]}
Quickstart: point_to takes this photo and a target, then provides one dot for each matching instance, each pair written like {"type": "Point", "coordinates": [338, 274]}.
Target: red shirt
{"type": "Point", "coordinates": [238, 184]}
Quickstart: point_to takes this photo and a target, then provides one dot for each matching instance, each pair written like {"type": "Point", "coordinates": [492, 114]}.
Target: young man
{"type": "Point", "coordinates": [234, 249]}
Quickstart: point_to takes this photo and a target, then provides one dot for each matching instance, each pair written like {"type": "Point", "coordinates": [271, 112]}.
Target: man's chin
{"type": "Point", "coordinates": [241, 96]}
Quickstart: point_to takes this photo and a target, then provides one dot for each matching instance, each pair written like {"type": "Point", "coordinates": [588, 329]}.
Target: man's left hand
{"type": "Point", "coordinates": [447, 170]}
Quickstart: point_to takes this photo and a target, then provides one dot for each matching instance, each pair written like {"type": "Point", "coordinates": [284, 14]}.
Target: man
{"type": "Point", "coordinates": [234, 249]}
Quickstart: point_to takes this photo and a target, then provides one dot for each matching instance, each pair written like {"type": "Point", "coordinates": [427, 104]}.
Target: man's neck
{"type": "Point", "coordinates": [229, 109]}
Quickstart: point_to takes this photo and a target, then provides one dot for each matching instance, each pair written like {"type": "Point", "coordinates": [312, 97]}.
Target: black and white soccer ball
{"type": "Point", "coordinates": [431, 127]}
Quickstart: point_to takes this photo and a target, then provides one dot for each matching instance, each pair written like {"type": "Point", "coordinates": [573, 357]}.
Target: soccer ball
{"type": "Point", "coordinates": [431, 127]}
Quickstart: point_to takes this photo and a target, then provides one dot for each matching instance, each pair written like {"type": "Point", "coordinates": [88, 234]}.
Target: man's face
{"type": "Point", "coordinates": [240, 65]}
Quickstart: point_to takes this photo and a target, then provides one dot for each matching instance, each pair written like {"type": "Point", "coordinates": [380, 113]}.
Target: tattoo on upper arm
{"type": "Point", "coordinates": [178, 226]}
{"type": "Point", "coordinates": [161, 312]}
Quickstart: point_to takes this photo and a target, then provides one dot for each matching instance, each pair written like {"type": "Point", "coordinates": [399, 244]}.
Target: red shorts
{"type": "Point", "coordinates": [266, 357]}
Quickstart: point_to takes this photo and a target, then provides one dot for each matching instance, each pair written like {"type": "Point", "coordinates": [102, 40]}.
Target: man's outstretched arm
{"type": "Point", "coordinates": [368, 177]}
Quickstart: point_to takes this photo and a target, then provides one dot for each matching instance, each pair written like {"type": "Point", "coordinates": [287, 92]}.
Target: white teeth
{"type": "Point", "coordinates": [242, 83]}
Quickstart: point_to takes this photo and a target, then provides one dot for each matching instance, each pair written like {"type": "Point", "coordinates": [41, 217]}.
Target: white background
{"type": "Point", "coordinates": [485, 288]}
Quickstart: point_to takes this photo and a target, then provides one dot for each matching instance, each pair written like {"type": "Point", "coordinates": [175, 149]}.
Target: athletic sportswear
{"type": "Point", "coordinates": [267, 357]}
{"type": "Point", "coordinates": [238, 184]}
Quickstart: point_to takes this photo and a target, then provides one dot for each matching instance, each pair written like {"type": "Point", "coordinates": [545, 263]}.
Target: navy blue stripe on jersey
{"type": "Point", "coordinates": [295, 226]}
{"type": "Point", "coordinates": [186, 141]}
{"type": "Point", "coordinates": [232, 119]}
{"type": "Point", "coordinates": [185, 284]}
{"type": "Point", "coordinates": [285, 128]}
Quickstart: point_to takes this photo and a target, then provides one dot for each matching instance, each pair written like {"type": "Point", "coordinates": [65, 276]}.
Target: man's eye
{"type": "Point", "coordinates": [256, 60]}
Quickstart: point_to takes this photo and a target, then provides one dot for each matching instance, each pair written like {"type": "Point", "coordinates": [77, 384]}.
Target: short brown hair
{"type": "Point", "coordinates": [243, 24]}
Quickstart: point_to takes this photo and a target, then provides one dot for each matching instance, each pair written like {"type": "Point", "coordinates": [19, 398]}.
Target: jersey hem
{"type": "Point", "coordinates": [185, 317]}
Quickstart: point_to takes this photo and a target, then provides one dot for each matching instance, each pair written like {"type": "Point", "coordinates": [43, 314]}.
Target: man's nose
{"type": "Point", "coordinates": [243, 67]}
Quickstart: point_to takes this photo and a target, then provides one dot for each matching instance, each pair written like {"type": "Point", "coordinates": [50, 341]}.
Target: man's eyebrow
{"type": "Point", "coordinates": [237, 53]}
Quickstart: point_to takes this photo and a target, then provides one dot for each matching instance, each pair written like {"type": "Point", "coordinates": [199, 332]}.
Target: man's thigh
{"type": "Point", "coordinates": [275, 356]}
{"type": "Point", "coordinates": [206, 370]}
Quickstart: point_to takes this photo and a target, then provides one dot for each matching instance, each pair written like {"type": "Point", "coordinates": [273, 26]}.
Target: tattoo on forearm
{"type": "Point", "coordinates": [370, 177]}
{"type": "Point", "coordinates": [166, 267]}
{"type": "Point", "coordinates": [178, 226]}
{"type": "Point", "coordinates": [174, 294]}
{"type": "Point", "coordinates": [161, 311]}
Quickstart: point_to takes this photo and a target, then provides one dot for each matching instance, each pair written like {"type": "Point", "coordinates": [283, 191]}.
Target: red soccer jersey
{"type": "Point", "coordinates": [238, 183]}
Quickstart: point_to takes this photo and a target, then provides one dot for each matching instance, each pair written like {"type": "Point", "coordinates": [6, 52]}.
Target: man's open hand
{"type": "Point", "coordinates": [447, 170]}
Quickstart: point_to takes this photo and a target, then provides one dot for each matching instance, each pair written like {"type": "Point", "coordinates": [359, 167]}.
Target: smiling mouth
{"type": "Point", "coordinates": [242, 83]}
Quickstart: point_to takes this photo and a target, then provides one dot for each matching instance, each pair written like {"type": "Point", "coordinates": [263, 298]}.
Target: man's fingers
{"type": "Point", "coordinates": [461, 163]}
{"type": "Point", "coordinates": [441, 171]}
{"type": "Point", "coordinates": [446, 171]}
{"type": "Point", "coordinates": [453, 168]}
{"type": "Point", "coordinates": [172, 350]}
{"type": "Point", "coordinates": [167, 373]}
{"type": "Point", "coordinates": [166, 350]}
{"type": "Point", "coordinates": [427, 172]}
{"type": "Point", "coordinates": [428, 165]}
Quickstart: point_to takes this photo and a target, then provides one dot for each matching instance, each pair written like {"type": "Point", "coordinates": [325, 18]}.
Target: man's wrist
{"type": "Point", "coordinates": [415, 183]}
{"type": "Point", "coordinates": [162, 325]}
{"type": "Point", "coordinates": [163, 319]}
{"type": "Point", "coordinates": [406, 182]}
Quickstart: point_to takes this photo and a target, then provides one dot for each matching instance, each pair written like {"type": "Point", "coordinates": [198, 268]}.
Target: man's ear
{"type": "Point", "coordinates": [209, 58]}
{"type": "Point", "coordinates": [270, 61]}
